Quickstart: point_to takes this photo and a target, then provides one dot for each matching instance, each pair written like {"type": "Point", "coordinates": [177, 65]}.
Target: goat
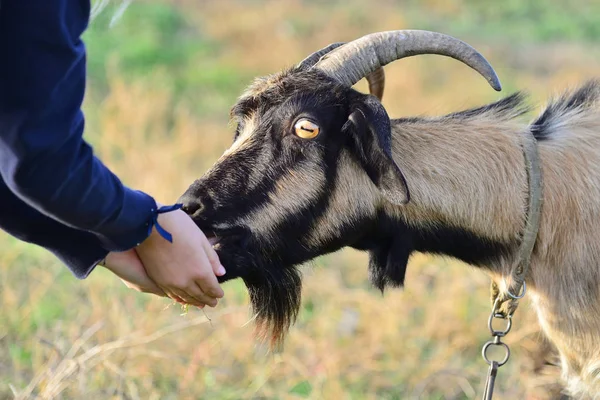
{"type": "Point", "coordinates": [317, 166]}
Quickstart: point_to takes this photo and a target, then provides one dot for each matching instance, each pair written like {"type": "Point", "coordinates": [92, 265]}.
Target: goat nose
{"type": "Point", "coordinates": [191, 205]}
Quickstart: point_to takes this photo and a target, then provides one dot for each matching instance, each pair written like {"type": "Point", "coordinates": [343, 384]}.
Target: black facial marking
{"type": "Point", "coordinates": [269, 269]}
{"type": "Point", "coordinates": [246, 180]}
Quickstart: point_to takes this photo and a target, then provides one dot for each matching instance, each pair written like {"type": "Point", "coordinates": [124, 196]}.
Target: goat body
{"type": "Point", "coordinates": [471, 180]}
{"type": "Point", "coordinates": [454, 185]}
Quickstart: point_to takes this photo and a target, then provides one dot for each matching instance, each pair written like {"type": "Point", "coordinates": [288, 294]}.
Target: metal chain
{"type": "Point", "coordinates": [505, 303]}
{"type": "Point", "coordinates": [497, 342]}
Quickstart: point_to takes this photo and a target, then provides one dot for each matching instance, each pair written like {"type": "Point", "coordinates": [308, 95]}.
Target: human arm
{"type": "Point", "coordinates": [43, 158]}
{"type": "Point", "coordinates": [47, 165]}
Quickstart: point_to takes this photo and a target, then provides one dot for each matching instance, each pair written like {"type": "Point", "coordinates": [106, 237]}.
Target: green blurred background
{"type": "Point", "coordinates": [162, 77]}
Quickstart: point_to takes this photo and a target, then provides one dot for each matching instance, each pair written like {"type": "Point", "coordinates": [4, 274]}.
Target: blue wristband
{"type": "Point", "coordinates": [160, 229]}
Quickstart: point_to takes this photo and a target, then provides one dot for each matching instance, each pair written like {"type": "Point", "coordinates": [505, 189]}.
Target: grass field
{"type": "Point", "coordinates": [162, 79]}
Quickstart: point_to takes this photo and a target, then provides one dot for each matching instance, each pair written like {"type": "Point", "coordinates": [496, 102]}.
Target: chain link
{"type": "Point", "coordinates": [497, 336]}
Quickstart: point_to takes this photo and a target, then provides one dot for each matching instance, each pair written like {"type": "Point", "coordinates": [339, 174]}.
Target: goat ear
{"type": "Point", "coordinates": [369, 131]}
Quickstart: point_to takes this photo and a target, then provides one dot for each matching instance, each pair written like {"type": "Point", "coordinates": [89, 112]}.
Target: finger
{"type": "Point", "coordinates": [195, 291]}
{"type": "Point", "coordinates": [187, 298]}
{"type": "Point", "coordinates": [208, 283]}
{"type": "Point", "coordinates": [173, 296]}
{"type": "Point", "coordinates": [205, 298]}
{"type": "Point", "coordinates": [209, 299]}
{"type": "Point", "coordinates": [210, 286]}
{"type": "Point", "coordinates": [213, 258]}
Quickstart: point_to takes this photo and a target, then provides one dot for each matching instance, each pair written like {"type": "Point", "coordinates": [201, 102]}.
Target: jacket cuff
{"type": "Point", "coordinates": [81, 260]}
{"type": "Point", "coordinates": [133, 223]}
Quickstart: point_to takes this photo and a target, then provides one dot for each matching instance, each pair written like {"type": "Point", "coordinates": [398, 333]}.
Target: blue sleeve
{"type": "Point", "coordinates": [80, 251]}
{"type": "Point", "coordinates": [43, 158]}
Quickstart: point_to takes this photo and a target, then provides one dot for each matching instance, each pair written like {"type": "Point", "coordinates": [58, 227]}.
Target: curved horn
{"type": "Point", "coordinates": [311, 60]}
{"type": "Point", "coordinates": [351, 62]}
{"type": "Point", "coordinates": [376, 79]}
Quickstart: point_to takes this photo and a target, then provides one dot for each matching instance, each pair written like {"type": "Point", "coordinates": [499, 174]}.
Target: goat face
{"type": "Point", "coordinates": [308, 169]}
{"type": "Point", "coordinates": [311, 169]}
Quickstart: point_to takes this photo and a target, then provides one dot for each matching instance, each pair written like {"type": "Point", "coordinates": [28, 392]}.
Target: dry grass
{"type": "Point", "coordinates": [62, 338]}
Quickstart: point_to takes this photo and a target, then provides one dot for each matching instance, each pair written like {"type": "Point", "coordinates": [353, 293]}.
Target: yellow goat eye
{"type": "Point", "coordinates": [306, 129]}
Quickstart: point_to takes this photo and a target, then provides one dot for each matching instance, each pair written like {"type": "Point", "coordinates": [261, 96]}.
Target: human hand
{"type": "Point", "coordinates": [128, 266]}
{"type": "Point", "coordinates": [186, 268]}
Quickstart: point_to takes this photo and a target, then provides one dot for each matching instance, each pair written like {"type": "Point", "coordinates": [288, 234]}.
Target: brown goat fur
{"type": "Point", "coordinates": [469, 172]}
{"type": "Point", "coordinates": [287, 201]}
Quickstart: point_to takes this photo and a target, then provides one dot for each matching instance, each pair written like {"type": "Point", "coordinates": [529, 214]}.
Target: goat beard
{"type": "Point", "coordinates": [275, 295]}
